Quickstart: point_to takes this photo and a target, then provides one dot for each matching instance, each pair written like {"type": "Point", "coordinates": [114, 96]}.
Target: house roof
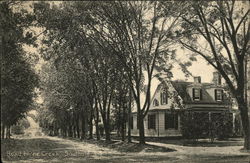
{"type": "Point", "coordinates": [181, 88]}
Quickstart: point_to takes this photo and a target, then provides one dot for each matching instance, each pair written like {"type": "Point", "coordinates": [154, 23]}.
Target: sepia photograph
{"type": "Point", "coordinates": [122, 81]}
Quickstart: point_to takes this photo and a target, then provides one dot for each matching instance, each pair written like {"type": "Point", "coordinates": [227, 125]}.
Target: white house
{"type": "Point", "coordinates": [172, 98]}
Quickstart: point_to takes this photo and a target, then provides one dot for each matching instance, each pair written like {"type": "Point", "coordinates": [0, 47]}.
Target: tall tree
{"type": "Point", "coordinates": [18, 79]}
{"type": "Point", "coordinates": [71, 44]}
{"type": "Point", "coordinates": [141, 42]}
{"type": "Point", "coordinates": [219, 32]}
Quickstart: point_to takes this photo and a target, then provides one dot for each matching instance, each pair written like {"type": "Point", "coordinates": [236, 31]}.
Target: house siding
{"type": "Point", "coordinates": [160, 130]}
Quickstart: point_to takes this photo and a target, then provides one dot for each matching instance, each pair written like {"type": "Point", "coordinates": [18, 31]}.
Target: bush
{"type": "Point", "coordinates": [18, 130]}
{"type": "Point", "coordinates": [20, 126]}
{"type": "Point", "coordinates": [221, 125]}
{"type": "Point", "coordinates": [238, 126]}
{"type": "Point", "coordinates": [24, 122]}
{"type": "Point", "coordinates": [196, 125]}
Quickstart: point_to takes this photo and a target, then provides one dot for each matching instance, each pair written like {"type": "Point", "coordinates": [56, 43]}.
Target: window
{"type": "Point", "coordinates": [164, 97]}
{"type": "Point", "coordinates": [131, 122]}
{"type": "Point", "coordinates": [197, 94]}
{"type": "Point", "coordinates": [171, 120]}
{"type": "Point", "coordinates": [155, 102]}
{"type": "Point", "coordinates": [218, 95]}
{"type": "Point", "coordinates": [151, 121]}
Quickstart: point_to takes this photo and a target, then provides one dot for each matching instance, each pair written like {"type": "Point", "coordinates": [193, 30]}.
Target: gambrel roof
{"type": "Point", "coordinates": [181, 88]}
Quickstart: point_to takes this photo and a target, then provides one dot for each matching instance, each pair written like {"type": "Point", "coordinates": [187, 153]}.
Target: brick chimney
{"type": "Point", "coordinates": [216, 78]}
{"type": "Point", "coordinates": [197, 79]}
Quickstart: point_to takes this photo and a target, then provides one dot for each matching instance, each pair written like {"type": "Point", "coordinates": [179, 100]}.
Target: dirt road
{"type": "Point", "coordinates": [53, 149]}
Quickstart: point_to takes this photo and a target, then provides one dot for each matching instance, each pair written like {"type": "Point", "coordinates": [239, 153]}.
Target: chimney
{"type": "Point", "coordinates": [216, 78]}
{"type": "Point", "coordinates": [197, 79]}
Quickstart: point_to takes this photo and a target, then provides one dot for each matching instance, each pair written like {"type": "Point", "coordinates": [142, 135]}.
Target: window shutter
{"type": "Point", "coordinates": [193, 93]}
{"type": "Point", "coordinates": [176, 121]}
{"type": "Point", "coordinates": [222, 95]}
{"type": "Point", "coordinates": [137, 123]}
{"type": "Point", "coordinates": [215, 94]}
{"type": "Point", "coordinates": [151, 121]}
{"type": "Point", "coordinates": [161, 98]}
{"type": "Point", "coordinates": [165, 118]}
{"type": "Point", "coordinates": [148, 122]}
{"type": "Point", "coordinates": [170, 121]}
{"type": "Point", "coordinates": [154, 123]}
{"type": "Point", "coordinates": [131, 122]}
{"type": "Point", "coordinates": [200, 94]}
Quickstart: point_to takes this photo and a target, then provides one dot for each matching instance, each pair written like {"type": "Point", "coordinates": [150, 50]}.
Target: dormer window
{"type": "Point", "coordinates": [197, 94]}
{"type": "Point", "coordinates": [164, 97]}
{"type": "Point", "coordinates": [197, 79]}
{"type": "Point", "coordinates": [155, 102]}
{"type": "Point", "coordinates": [218, 94]}
{"type": "Point", "coordinates": [216, 78]}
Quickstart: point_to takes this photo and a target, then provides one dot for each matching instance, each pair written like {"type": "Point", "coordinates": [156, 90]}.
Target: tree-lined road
{"type": "Point", "coordinates": [35, 149]}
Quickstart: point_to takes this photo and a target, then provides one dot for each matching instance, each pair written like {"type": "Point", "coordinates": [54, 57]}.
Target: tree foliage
{"type": "Point", "coordinates": [18, 78]}
{"type": "Point", "coordinates": [220, 32]}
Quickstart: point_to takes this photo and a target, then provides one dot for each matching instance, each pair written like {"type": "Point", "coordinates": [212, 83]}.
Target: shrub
{"type": "Point", "coordinates": [221, 125]}
{"type": "Point", "coordinates": [195, 125]}
{"type": "Point", "coordinates": [20, 126]}
{"type": "Point", "coordinates": [24, 122]}
{"type": "Point", "coordinates": [18, 130]}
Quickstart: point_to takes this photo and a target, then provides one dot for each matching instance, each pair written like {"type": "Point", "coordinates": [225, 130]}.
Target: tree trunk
{"type": "Point", "coordinates": [106, 128]}
{"type": "Point", "coordinates": [55, 133]}
{"type": "Point", "coordinates": [123, 124]}
{"type": "Point", "coordinates": [97, 125]}
{"type": "Point", "coordinates": [141, 129]}
{"type": "Point", "coordinates": [107, 131]}
{"type": "Point", "coordinates": [91, 130]}
{"type": "Point", "coordinates": [91, 126]}
{"type": "Point", "coordinates": [129, 117]}
{"type": "Point", "coordinates": [8, 132]}
{"type": "Point", "coordinates": [123, 132]}
{"type": "Point", "coordinates": [118, 120]}
{"type": "Point", "coordinates": [245, 124]}
{"type": "Point", "coordinates": [77, 126]}
{"type": "Point", "coordinates": [83, 129]}
{"type": "Point", "coordinates": [97, 130]}
{"type": "Point", "coordinates": [74, 131]}
{"type": "Point", "coordinates": [96, 118]}
{"type": "Point", "coordinates": [70, 131]}
{"type": "Point", "coordinates": [3, 131]}
{"type": "Point", "coordinates": [106, 123]}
